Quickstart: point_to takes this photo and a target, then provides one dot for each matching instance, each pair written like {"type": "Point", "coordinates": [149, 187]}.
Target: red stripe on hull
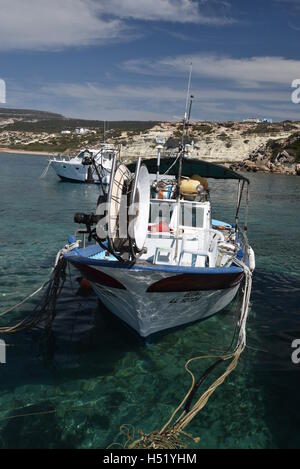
{"type": "Point", "coordinates": [190, 282]}
{"type": "Point", "coordinates": [96, 276]}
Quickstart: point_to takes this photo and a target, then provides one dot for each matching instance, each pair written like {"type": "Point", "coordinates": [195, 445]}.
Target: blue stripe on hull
{"type": "Point", "coordinates": [82, 256]}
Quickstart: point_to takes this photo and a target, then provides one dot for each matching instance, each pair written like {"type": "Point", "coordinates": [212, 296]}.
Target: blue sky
{"type": "Point", "coordinates": [129, 59]}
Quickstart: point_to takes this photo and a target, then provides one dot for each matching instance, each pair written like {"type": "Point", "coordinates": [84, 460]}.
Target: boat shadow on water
{"type": "Point", "coordinates": [82, 326]}
{"type": "Point", "coordinates": [87, 344]}
{"type": "Point", "coordinates": [47, 373]}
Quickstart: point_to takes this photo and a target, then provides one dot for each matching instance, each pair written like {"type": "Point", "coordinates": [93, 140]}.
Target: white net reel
{"type": "Point", "coordinates": [128, 211]}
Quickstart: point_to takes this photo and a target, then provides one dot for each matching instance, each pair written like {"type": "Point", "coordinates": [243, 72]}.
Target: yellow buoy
{"type": "Point", "coordinates": [189, 187]}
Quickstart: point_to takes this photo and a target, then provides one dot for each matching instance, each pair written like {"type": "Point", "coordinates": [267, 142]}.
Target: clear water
{"type": "Point", "coordinates": [92, 375]}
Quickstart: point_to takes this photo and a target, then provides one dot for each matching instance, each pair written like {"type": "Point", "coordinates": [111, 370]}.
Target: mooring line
{"type": "Point", "coordinates": [172, 434]}
{"type": "Point", "coordinates": [45, 310]}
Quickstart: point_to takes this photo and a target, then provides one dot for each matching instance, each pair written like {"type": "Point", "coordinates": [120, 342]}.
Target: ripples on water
{"type": "Point", "coordinates": [93, 374]}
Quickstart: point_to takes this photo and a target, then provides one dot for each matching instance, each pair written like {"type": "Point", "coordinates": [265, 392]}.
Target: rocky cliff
{"type": "Point", "coordinates": [281, 155]}
{"type": "Point", "coordinates": [245, 146]}
{"type": "Point", "coordinates": [242, 146]}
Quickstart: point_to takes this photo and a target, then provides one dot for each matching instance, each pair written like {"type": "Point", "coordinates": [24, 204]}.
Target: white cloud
{"type": "Point", "coordinates": [182, 11]}
{"type": "Point", "coordinates": [249, 71]}
{"type": "Point", "coordinates": [56, 24]}
{"type": "Point", "coordinates": [227, 84]}
{"type": "Point", "coordinates": [164, 102]}
{"type": "Point", "coordinates": [253, 69]}
{"type": "Point", "coordinates": [154, 101]}
{"type": "Point", "coordinates": [51, 25]}
{"type": "Point", "coordinates": [92, 92]}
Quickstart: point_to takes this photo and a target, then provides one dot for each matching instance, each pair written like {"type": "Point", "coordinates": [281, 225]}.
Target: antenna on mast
{"type": "Point", "coordinates": [185, 127]}
{"type": "Point", "coordinates": [105, 129]}
{"type": "Point", "coordinates": [188, 92]}
{"type": "Point", "coordinates": [182, 150]}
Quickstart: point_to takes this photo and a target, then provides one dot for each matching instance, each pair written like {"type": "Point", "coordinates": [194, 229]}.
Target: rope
{"type": "Point", "coordinates": [175, 161]}
{"type": "Point", "coordinates": [45, 170]}
{"type": "Point", "coordinates": [172, 434]}
{"type": "Point", "coordinates": [45, 310]}
{"type": "Point", "coordinates": [16, 306]}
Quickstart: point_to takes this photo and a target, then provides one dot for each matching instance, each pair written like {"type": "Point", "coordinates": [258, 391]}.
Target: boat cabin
{"type": "Point", "coordinates": [181, 234]}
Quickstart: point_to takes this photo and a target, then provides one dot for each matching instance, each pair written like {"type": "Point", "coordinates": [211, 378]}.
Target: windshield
{"type": "Point", "coordinates": [192, 215]}
{"type": "Point", "coordinates": [161, 212]}
{"type": "Point", "coordinates": [84, 153]}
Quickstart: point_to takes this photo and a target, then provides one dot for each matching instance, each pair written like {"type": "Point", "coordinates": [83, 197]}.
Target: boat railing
{"type": "Point", "coordinates": [61, 158]}
{"type": "Point", "coordinates": [83, 234]}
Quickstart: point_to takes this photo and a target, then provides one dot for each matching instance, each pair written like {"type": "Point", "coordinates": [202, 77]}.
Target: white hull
{"type": "Point", "coordinates": [126, 294]}
{"type": "Point", "coordinates": [157, 312]}
{"type": "Point", "coordinates": [73, 169]}
{"type": "Point", "coordinates": [75, 172]}
{"type": "Point", "coordinates": [69, 171]}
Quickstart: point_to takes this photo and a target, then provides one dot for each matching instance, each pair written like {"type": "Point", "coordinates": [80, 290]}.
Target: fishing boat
{"type": "Point", "coordinates": [160, 260]}
{"type": "Point", "coordinates": [89, 165]}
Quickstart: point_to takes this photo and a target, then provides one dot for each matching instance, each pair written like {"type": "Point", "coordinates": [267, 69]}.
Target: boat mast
{"type": "Point", "coordinates": [185, 127]}
{"type": "Point", "coordinates": [185, 131]}
{"type": "Point", "coordinates": [159, 148]}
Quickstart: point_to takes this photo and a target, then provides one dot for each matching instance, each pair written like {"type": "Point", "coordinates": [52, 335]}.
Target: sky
{"type": "Point", "coordinates": [130, 59]}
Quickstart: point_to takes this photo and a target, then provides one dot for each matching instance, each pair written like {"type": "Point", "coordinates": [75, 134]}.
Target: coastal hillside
{"type": "Point", "coordinates": [246, 146]}
{"type": "Point", "coordinates": [27, 114]}
{"type": "Point", "coordinates": [226, 143]}
{"type": "Point", "coordinates": [33, 121]}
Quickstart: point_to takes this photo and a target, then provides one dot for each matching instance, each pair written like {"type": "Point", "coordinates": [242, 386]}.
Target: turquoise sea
{"type": "Point", "coordinates": [75, 388]}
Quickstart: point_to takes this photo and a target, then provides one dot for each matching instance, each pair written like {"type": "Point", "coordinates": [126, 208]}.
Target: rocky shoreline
{"type": "Point", "coordinates": [281, 156]}
{"type": "Point", "coordinates": [242, 146]}
{"type": "Point", "coordinates": [26, 152]}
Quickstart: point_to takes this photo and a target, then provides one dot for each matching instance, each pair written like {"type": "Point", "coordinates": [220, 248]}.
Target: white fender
{"type": "Point", "coordinates": [251, 259]}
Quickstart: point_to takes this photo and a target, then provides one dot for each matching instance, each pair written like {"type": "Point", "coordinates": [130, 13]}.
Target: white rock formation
{"type": "Point", "coordinates": [221, 145]}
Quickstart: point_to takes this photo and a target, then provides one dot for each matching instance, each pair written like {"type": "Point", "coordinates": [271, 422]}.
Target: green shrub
{"type": "Point", "coordinates": [263, 128]}
{"type": "Point", "coordinates": [294, 150]}
{"type": "Point", "coordinates": [223, 136]}
{"type": "Point", "coordinates": [202, 128]}
{"type": "Point", "coordinates": [58, 124]}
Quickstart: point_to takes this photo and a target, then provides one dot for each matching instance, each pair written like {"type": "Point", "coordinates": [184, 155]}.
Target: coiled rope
{"type": "Point", "coordinates": [173, 435]}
